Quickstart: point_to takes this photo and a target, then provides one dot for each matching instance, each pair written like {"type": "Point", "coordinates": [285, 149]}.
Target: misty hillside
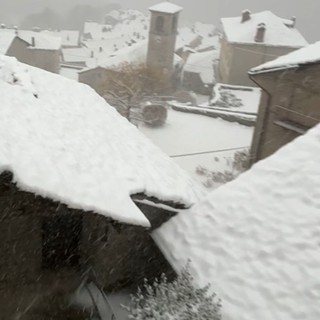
{"type": "Point", "coordinates": [73, 18]}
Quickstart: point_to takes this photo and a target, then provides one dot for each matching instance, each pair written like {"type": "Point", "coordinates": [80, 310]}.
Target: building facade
{"type": "Point", "coordinates": [253, 39]}
{"type": "Point", "coordinates": [289, 106]}
{"type": "Point", "coordinates": [47, 246]}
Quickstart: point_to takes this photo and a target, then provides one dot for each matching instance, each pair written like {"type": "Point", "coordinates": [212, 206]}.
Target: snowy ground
{"type": "Point", "coordinates": [195, 140]}
{"type": "Point", "coordinates": [249, 98]}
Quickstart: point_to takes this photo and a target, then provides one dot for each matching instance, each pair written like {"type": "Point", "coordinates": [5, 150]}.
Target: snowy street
{"type": "Point", "coordinates": [193, 140]}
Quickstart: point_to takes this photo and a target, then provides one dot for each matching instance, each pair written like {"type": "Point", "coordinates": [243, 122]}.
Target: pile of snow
{"type": "Point", "coordinates": [13, 74]}
{"type": "Point", "coordinates": [247, 98]}
{"type": "Point", "coordinates": [306, 55]}
{"type": "Point", "coordinates": [68, 144]}
{"type": "Point", "coordinates": [277, 32]}
{"type": "Point", "coordinates": [256, 239]}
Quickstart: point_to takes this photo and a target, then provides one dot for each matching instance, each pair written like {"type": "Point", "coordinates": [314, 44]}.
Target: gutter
{"type": "Point", "coordinates": [261, 71]}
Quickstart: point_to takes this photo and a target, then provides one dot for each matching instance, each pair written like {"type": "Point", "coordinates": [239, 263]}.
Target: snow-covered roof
{"type": "Point", "coordinates": [276, 34]}
{"type": "Point", "coordinates": [68, 37]}
{"type": "Point", "coordinates": [81, 54]}
{"type": "Point", "coordinates": [256, 239]}
{"type": "Point", "coordinates": [64, 141]}
{"type": "Point", "coordinates": [41, 40]}
{"type": "Point", "coordinates": [306, 55]}
{"type": "Point", "coordinates": [166, 7]}
{"type": "Point", "coordinates": [135, 54]}
{"type": "Point", "coordinates": [6, 39]}
{"type": "Point", "coordinates": [202, 63]}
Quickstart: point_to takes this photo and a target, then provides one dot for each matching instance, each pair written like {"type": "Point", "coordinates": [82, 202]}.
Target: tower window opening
{"type": "Point", "coordinates": [159, 24]}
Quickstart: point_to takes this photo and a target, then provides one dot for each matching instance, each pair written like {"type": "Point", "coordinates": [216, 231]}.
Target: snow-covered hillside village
{"type": "Point", "coordinates": [157, 170]}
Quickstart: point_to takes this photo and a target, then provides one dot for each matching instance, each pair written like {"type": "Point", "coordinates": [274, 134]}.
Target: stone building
{"type": "Point", "coordinates": [80, 190]}
{"type": "Point", "coordinates": [290, 99]}
{"type": "Point", "coordinates": [253, 39]}
{"type": "Point", "coordinates": [162, 36]}
{"type": "Point", "coordinates": [34, 48]}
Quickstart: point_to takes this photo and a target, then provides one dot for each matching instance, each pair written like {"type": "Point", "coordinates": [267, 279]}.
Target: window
{"type": "Point", "coordinates": [159, 24]}
{"type": "Point", "coordinates": [174, 24]}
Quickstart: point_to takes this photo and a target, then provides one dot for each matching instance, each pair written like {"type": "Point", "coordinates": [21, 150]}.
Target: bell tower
{"type": "Point", "coordinates": [162, 36]}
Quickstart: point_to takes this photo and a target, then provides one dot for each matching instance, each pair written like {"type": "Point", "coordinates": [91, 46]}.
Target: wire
{"type": "Point", "coordinates": [257, 52]}
{"type": "Point", "coordinates": [298, 113]}
{"type": "Point", "coordinates": [206, 152]}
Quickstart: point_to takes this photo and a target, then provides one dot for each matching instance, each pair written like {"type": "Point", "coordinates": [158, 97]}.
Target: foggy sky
{"type": "Point", "coordinates": [208, 11]}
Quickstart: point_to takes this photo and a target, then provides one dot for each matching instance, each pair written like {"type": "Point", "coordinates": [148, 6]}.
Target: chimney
{"type": "Point", "coordinates": [92, 54]}
{"type": "Point", "coordinates": [33, 42]}
{"type": "Point", "coordinates": [261, 30]}
{"type": "Point", "coordinates": [294, 20]}
{"type": "Point", "coordinates": [246, 15]}
{"type": "Point", "coordinates": [3, 26]}
{"type": "Point", "coordinates": [16, 31]}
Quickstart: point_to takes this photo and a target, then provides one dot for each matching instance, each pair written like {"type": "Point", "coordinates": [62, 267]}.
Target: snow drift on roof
{"type": "Point", "coordinates": [256, 239]}
{"type": "Point", "coordinates": [309, 54]}
{"type": "Point", "coordinates": [70, 145]}
{"type": "Point", "coordinates": [166, 7]}
{"type": "Point", "coordinates": [277, 33]}
{"type": "Point", "coordinates": [68, 37]}
{"type": "Point", "coordinates": [42, 40]}
{"type": "Point", "coordinates": [6, 39]}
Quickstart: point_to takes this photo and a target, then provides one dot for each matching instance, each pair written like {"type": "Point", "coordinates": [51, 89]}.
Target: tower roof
{"type": "Point", "coordinates": [166, 7]}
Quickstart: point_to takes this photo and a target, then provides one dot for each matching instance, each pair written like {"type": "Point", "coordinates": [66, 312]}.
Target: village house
{"type": "Point", "coordinates": [80, 190]}
{"type": "Point", "coordinates": [256, 239]}
{"type": "Point", "coordinates": [253, 39]}
{"type": "Point", "coordinates": [33, 48]}
{"type": "Point", "coordinates": [290, 99]}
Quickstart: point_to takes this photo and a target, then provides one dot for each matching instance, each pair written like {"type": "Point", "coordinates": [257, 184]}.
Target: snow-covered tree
{"type": "Point", "coordinates": [238, 164]}
{"type": "Point", "coordinates": [129, 85]}
{"type": "Point", "coordinates": [176, 300]}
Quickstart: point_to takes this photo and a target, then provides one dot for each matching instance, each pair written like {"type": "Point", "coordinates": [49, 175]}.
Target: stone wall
{"type": "Point", "coordinates": [237, 59]}
{"type": "Point", "coordinates": [118, 254]}
{"type": "Point", "coordinates": [291, 96]}
{"type": "Point", "coordinates": [48, 60]}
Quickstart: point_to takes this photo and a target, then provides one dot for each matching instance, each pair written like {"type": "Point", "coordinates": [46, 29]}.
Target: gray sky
{"type": "Point", "coordinates": [210, 11]}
